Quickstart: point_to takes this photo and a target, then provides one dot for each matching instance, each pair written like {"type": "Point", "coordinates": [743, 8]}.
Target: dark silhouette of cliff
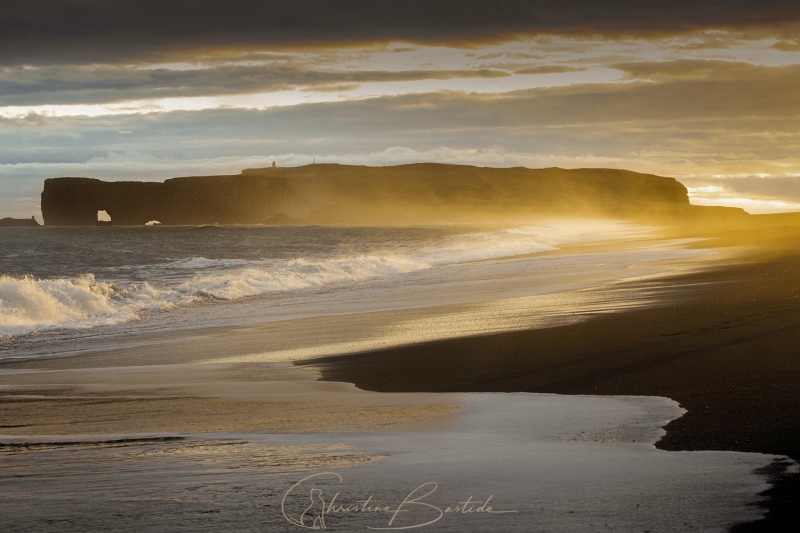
{"type": "Point", "coordinates": [18, 222]}
{"type": "Point", "coordinates": [343, 194]}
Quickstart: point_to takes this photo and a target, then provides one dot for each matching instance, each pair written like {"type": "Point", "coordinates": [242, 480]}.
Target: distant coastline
{"type": "Point", "coordinates": [420, 193]}
{"type": "Point", "coordinates": [9, 222]}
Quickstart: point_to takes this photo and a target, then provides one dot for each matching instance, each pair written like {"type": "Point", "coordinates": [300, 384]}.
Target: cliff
{"type": "Point", "coordinates": [330, 194]}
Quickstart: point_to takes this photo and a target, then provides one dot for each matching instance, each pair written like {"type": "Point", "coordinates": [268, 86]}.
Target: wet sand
{"type": "Point", "coordinates": [202, 398]}
{"type": "Point", "coordinates": [728, 352]}
{"type": "Point", "coordinates": [551, 462]}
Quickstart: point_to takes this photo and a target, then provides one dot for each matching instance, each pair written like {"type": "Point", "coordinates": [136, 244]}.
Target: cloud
{"type": "Point", "coordinates": [547, 69]}
{"type": "Point", "coordinates": [689, 90]}
{"type": "Point", "coordinates": [98, 31]}
{"type": "Point", "coordinates": [682, 125]}
{"type": "Point", "coordinates": [783, 188]}
{"type": "Point", "coordinates": [754, 106]}
{"type": "Point", "coordinates": [654, 90]}
{"type": "Point", "coordinates": [29, 120]}
{"type": "Point", "coordinates": [787, 45]}
{"type": "Point", "coordinates": [106, 84]}
{"type": "Point", "coordinates": [695, 68]}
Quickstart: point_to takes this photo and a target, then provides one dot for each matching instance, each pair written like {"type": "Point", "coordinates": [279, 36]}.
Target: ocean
{"type": "Point", "coordinates": [65, 281]}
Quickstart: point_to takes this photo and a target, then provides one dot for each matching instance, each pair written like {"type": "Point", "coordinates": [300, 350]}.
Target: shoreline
{"type": "Point", "coordinates": [725, 354]}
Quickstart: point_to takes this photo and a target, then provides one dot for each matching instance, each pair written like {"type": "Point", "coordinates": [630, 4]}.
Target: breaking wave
{"type": "Point", "coordinates": [28, 304]}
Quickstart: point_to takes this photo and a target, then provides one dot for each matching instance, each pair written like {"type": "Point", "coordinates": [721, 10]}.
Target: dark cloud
{"type": "Point", "coordinates": [697, 68]}
{"type": "Point", "coordinates": [87, 31]}
{"type": "Point", "coordinates": [332, 88]}
{"type": "Point", "coordinates": [752, 116]}
{"type": "Point", "coordinates": [787, 45]}
{"type": "Point", "coordinates": [547, 69]}
{"type": "Point", "coordinates": [684, 90]}
{"type": "Point", "coordinates": [71, 85]}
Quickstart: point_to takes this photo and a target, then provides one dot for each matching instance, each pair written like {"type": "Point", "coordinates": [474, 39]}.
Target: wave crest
{"type": "Point", "coordinates": [28, 304]}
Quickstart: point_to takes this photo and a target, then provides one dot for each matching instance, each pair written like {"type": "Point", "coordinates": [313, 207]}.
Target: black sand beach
{"type": "Point", "coordinates": [728, 353]}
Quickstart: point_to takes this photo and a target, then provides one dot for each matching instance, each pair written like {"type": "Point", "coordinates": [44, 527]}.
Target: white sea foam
{"type": "Point", "coordinates": [295, 274]}
{"type": "Point", "coordinates": [28, 304]}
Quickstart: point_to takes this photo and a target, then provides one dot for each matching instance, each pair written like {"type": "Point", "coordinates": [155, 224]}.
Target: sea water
{"type": "Point", "coordinates": [64, 282]}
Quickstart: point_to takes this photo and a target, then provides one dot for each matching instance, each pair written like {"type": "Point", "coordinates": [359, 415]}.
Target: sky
{"type": "Point", "coordinates": [705, 91]}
